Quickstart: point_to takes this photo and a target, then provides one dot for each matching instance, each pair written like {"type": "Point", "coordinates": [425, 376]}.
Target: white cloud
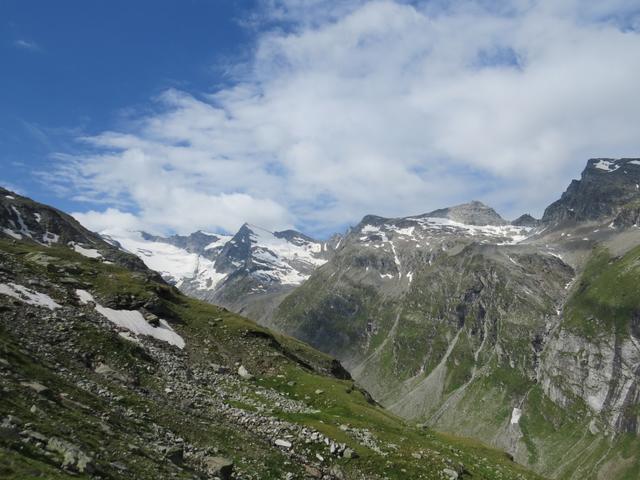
{"type": "Point", "coordinates": [384, 107]}
{"type": "Point", "coordinates": [111, 220]}
{"type": "Point", "coordinates": [27, 45]}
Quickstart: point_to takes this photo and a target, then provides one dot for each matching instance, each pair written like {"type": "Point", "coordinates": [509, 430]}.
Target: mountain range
{"type": "Point", "coordinates": [523, 334]}
{"type": "Point", "coordinates": [109, 372]}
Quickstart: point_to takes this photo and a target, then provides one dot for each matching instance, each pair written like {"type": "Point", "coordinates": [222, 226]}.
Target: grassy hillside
{"type": "Point", "coordinates": [82, 399]}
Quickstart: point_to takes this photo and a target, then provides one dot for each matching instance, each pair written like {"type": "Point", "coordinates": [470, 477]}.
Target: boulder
{"type": "Point", "coordinates": [283, 443]}
{"type": "Point", "coordinates": [219, 467]}
{"type": "Point", "coordinates": [36, 387]}
{"type": "Point", "coordinates": [244, 373]}
{"type": "Point", "coordinates": [450, 474]}
{"type": "Point", "coordinates": [72, 457]}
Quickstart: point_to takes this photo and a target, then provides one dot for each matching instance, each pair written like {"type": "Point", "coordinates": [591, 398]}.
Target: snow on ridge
{"type": "Point", "coordinates": [284, 248]}
{"type": "Point", "coordinates": [278, 259]}
{"type": "Point", "coordinates": [370, 229]}
{"type": "Point", "coordinates": [220, 242]}
{"type": "Point", "coordinates": [423, 225]}
{"type": "Point", "coordinates": [133, 321]}
{"type": "Point", "coordinates": [275, 254]}
{"type": "Point", "coordinates": [173, 263]}
{"type": "Point", "coordinates": [607, 165]}
{"type": "Point", "coordinates": [28, 296]}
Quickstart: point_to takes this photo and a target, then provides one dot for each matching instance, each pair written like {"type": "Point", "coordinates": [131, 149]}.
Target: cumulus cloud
{"type": "Point", "coordinates": [110, 220]}
{"type": "Point", "coordinates": [384, 107]}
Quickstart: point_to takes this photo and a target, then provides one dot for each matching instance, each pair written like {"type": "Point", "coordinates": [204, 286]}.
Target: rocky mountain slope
{"type": "Point", "coordinates": [107, 372]}
{"type": "Point", "coordinates": [523, 335]}
{"type": "Point", "coordinates": [249, 272]}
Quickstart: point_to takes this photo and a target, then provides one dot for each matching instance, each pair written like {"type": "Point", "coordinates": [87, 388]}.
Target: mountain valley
{"type": "Point", "coordinates": [523, 335]}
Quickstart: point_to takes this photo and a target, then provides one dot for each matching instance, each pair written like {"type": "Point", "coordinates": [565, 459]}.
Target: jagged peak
{"type": "Point", "coordinates": [605, 186]}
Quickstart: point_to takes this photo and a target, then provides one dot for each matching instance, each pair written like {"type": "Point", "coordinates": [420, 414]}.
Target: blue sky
{"type": "Point", "coordinates": [173, 116]}
{"type": "Point", "coordinates": [77, 67]}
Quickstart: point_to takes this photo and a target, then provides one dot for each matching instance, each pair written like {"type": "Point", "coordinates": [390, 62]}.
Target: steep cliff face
{"type": "Point", "coordinates": [594, 355]}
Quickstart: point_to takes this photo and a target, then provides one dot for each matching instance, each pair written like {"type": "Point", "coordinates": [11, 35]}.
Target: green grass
{"type": "Point", "coordinates": [212, 334]}
{"type": "Point", "coordinates": [605, 300]}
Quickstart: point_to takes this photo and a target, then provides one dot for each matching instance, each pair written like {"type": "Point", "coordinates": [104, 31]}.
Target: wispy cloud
{"type": "Point", "coordinates": [384, 107]}
{"type": "Point", "coordinates": [27, 45]}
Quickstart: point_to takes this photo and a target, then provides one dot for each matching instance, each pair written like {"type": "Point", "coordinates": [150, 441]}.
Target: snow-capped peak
{"type": "Point", "coordinates": [202, 262]}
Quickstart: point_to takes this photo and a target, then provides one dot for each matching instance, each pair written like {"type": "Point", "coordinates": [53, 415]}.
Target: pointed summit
{"type": "Point", "coordinates": [525, 220]}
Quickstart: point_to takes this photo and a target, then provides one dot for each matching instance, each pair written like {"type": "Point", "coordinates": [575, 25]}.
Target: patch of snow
{"type": "Point", "coordinates": [10, 197]}
{"type": "Point", "coordinates": [410, 277]}
{"type": "Point", "coordinates": [222, 240]}
{"type": "Point", "coordinates": [370, 229]}
{"type": "Point", "coordinates": [606, 165]}
{"type": "Point", "coordinates": [174, 264]}
{"type": "Point", "coordinates": [12, 234]}
{"type": "Point", "coordinates": [50, 238]}
{"type": "Point", "coordinates": [87, 252]}
{"type": "Point", "coordinates": [510, 234]}
{"type": "Point", "coordinates": [133, 321]}
{"type": "Point", "coordinates": [24, 230]}
{"type": "Point", "coordinates": [635, 162]}
{"type": "Point", "coordinates": [27, 295]}
{"type": "Point", "coordinates": [408, 231]}
{"type": "Point", "coordinates": [515, 415]}
{"type": "Point", "coordinates": [38, 217]}
{"type": "Point", "coordinates": [281, 257]}
{"type": "Point", "coordinates": [84, 296]}
{"type": "Point", "coordinates": [395, 257]}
